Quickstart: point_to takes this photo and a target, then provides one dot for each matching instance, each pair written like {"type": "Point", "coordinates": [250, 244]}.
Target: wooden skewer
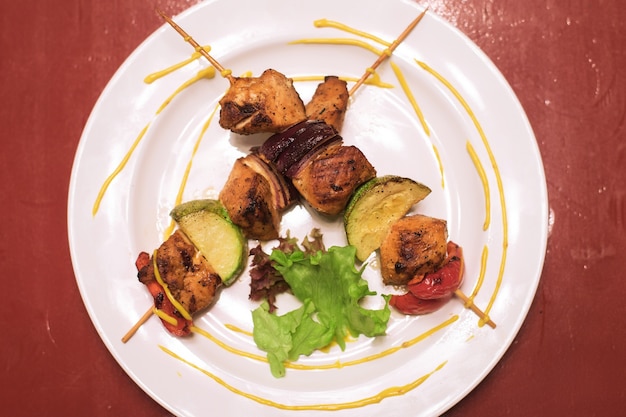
{"type": "Point", "coordinates": [469, 303]}
{"type": "Point", "coordinates": [137, 325]}
{"type": "Point", "coordinates": [231, 79]}
{"type": "Point", "coordinates": [387, 53]}
{"type": "Point", "coordinates": [225, 73]}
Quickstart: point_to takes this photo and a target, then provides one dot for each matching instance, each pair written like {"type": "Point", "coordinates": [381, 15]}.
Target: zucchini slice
{"type": "Point", "coordinates": [375, 206]}
{"type": "Point", "coordinates": [207, 224]}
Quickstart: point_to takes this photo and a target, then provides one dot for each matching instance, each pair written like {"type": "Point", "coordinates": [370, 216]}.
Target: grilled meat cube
{"type": "Point", "coordinates": [328, 179]}
{"type": "Point", "coordinates": [268, 103]}
{"type": "Point", "coordinates": [414, 246]}
{"type": "Point", "coordinates": [190, 278]}
{"type": "Point", "coordinates": [247, 196]}
{"type": "Point", "coordinates": [329, 102]}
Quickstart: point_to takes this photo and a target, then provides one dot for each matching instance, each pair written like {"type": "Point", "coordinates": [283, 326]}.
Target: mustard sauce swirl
{"type": "Point", "coordinates": [496, 170]}
{"type": "Point", "coordinates": [374, 80]}
{"type": "Point", "coordinates": [183, 184]}
{"type": "Point", "coordinates": [115, 173]}
{"type": "Point", "coordinates": [438, 157]}
{"type": "Point", "coordinates": [484, 181]}
{"type": "Point", "coordinates": [338, 41]}
{"type": "Point", "coordinates": [150, 78]}
{"type": "Point", "coordinates": [236, 329]}
{"type": "Point", "coordinates": [374, 399]}
{"type": "Point", "coordinates": [334, 365]}
{"type": "Point", "coordinates": [325, 23]}
{"type": "Point", "coordinates": [481, 276]}
{"type": "Point", "coordinates": [410, 96]}
{"type": "Point", "coordinates": [227, 347]}
{"type": "Point", "coordinates": [205, 73]}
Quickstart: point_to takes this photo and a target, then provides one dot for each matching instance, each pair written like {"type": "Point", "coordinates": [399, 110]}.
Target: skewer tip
{"type": "Point", "coordinates": [138, 324]}
{"type": "Point", "coordinates": [469, 303]}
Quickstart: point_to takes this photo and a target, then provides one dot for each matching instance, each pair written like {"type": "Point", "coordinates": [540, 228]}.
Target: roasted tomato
{"type": "Point", "coordinates": [410, 304]}
{"type": "Point", "coordinates": [444, 281]}
{"type": "Point", "coordinates": [429, 292]}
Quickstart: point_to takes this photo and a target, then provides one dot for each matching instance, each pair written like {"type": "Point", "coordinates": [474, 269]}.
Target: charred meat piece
{"type": "Point", "coordinates": [327, 179]}
{"type": "Point", "coordinates": [190, 278]}
{"type": "Point", "coordinates": [329, 102]}
{"type": "Point", "coordinates": [247, 196]}
{"type": "Point", "coordinates": [414, 246]}
{"type": "Point", "coordinates": [268, 103]}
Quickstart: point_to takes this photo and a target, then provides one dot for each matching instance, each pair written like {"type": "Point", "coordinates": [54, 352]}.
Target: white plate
{"type": "Point", "coordinates": [251, 35]}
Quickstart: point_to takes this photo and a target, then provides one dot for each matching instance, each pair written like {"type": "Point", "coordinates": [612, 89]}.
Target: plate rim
{"type": "Point", "coordinates": [544, 206]}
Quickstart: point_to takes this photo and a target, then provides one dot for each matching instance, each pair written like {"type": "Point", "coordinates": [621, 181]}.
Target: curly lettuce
{"type": "Point", "coordinates": [330, 288]}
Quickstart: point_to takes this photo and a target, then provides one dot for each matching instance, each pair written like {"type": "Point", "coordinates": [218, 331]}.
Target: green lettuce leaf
{"type": "Point", "coordinates": [330, 287]}
{"type": "Point", "coordinates": [288, 336]}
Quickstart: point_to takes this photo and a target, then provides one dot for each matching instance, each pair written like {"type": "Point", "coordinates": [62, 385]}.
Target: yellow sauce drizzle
{"type": "Point", "coordinates": [205, 73]}
{"type": "Point", "coordinates": [409, 95]}
{"type": "Point", "coordinates": [505, 232]}
{"type": "Point", "coordinates": [374, 399]}
{"type": "Point", "coordinates": [373, 80]}
{"type": "Point", "coordinates": [321, 23]}
{"type": "Point", "coordinates": [168, 293]}
{"type": "Point", "coordinates": [481, 275]}
{"type": "Point", "coordinates": [183, 184]}
{"type": "Point", "coordinates": [379, 355]}
{"type": "Point", "coordinates": [483, 179]}
{"type": "Point", "coordinates": [438, 157]}
{"type": "Point", "coordinates": [162, 73]}
{"type": "Point", "coordinates": [338, 41]}
{"type": "Point", "coordinates": [120, 167]}
{"type": "Point", "coordinates": [164, 316]}
{"type": "Point", "coordinates": [236, 329]}
{"type": "Point", "coordinates": [334, 365]}
{"type": "Point", "coordinates": [419, 114]}
{"type": "Point", "coordinates": [208, 73]}
{"type": "Point", "coordinates": [227, 347]}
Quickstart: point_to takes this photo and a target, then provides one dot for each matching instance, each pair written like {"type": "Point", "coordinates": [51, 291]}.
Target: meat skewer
{"type": "Point", "coordinates": [328, 106]}
{"type": "Point", "coordinates": [180, 280]}
{"type": "Point", "coordinates": [268, 103]}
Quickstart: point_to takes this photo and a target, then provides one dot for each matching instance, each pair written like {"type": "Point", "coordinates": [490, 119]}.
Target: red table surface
{"type": "Point", "coordinates": [565, 60]}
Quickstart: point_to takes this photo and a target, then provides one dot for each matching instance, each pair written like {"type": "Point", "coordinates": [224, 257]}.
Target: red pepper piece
{"type": "Point", "coordinates": [161, 302]}
{"type": "Point", "coordinates": [410, 304]}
